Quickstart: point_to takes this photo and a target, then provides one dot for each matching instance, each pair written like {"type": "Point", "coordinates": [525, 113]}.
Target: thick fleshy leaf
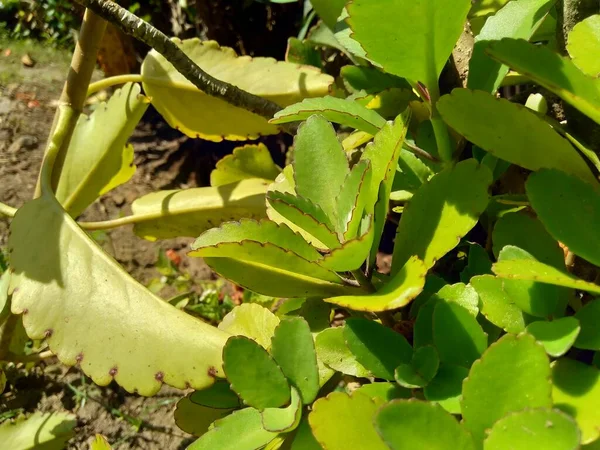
{"type": "Point", "coordinates": [333, 351]}
{"type": "Point", "coordinates": [446, 387]}
{"type": "Point", "coordinates": [100, 443]}
{"type": "Point", "coordinates": [249, 161]}
{"type": "Point", "coordinates": [576, 391]}
{"type": "Point", "coordinates": [286, 418]}
{"type": "Point", "coordinates": [196, 419]}
{"type": "Point", "coordinates": [370, 79]}
{"type": "Point", "coordinates": [411, 174]}
{"type": "Point", "coordinates": [584, 45]}
{"type": "Point", "coordinates": [217, 396]}
{"type": "Point", "coordinates": [352, 200]}
{"type": "Point", "coordinates": [514, 20]}
{"type": "Point", "coordinates": [341, 422]}
{"type": "Point", "coordinates": [263, 232]}
{"type": "Point", "coordinates": [552, 71]}
{"type": "Point", "coordinates": [569, 208]}
{"type": "Point", "coordinates": [199, 115]}
{"type": "Point", "coordinates": [49, 431]}
{"type": "Point", "coordinates": [461, 294]}
{"type": "Point", "coordinates": [73, 286]}
{"type": "Point", "coordinates": [107, 161]}
{"type": "Point", "coordinates": [251, 320]}
{"type": "Point", "coordinates": [189, 212]}
{"type": "Point", "coordinates": [421, 370]}
{"type": "Point", "coordinates": [352, 254]}
{"type": "Point", "coordinates": [336, 110]}
{"type": "Point", "coordinates": [303, 52]}
{"type": "Point", "coordinates": [535, 428]}
{"type": "Point", "coordinates": [294, 351]}
{"type": "Point", "coordinates": [304, 438]}
{"type": "Point", "coordinates": [328, 10]}
{"type": "Point", "coordinates": [376, 347]}
{"type": "Point", "coordinates": [589, 318]}
{"type": "Point", "coordinates": [245, 424]}
{"type": "Point", "coordinates": [384, 391]}
{"type": "Point", "coordinates": [391, 102]}
{"type": "Point", "coordinates": [525, 383]}
{"type": "Point", "coordinates": [320, 164]}
{"type": "Point", "coordinates": [254, 375]}
{"type": "Point", "coordinates": [397, 291]}
{"type": "Point", "coordinates": [412, 424]}
{"type": "Point", "coordinates": [441, 212]}
{"type": "Point", "coordinates": [556, 336]}
{"type": "Point", "coordinates": [424, 34]}
{"type": "Point", "coordinates": [511, 132]}
{"type": "Point", "coordinates": [497, 306]}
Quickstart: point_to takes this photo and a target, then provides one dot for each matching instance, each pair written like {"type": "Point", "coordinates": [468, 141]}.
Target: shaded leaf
{"type": "Point", "coordinates": [303, 52]}
{"type": "Point", "coordinates": [251, 320]}
{"type": "Point", "coordinates": [328, 10]}
{"type": "Point", "coordinates": [249, 161]}
{"type": "Point", "coordinates": [384, 391]}
{"type": "Point", "coordinates": [556, 336]}
{"type": "Point", "coordinates": [333, 351]}
{"type": "Point", "coordinates": [304, 438]}
{"type": "Point", "coordinates": [286, 418]}
{"type": "Point", "coordinates": [194, 418]}
{"type": "Point", "coordinates": [352, 254]}
{"type": "Point", "coordinates": [49, 431]}
{"type": "Point", "coordinates": [218, 396]}
{"type": "Point", "coordinates": [497, 306]}
{"type": "Point", "coordinates": [370, 79]}
{"type": "Point", "coordinates": [589, 318]}
{"type": "Point", "coordinates": [352, 200]}
{"type": "Point", "coordinates": [421, 370]}
{"type": "Point", "coordinates": [446, 387]}
{"type": "Point", "coordinates": [584, 45]}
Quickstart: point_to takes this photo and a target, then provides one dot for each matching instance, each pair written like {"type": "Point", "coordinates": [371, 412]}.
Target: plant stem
{"type": "Point", "coordinates": [6, 210]}
{"type": "Point", "coordinates": [143, 31]}
{"type": "Point", "coordinates": [418, 151]}
{"type": "Point", "coordinates": [514, 79]}
{"type": "Point", "coordinates": [363, 281]}
{"type": "Point", "coordinates": [35, 357]}
{"type": "Point", "coordinates": [113, 81]}
{"type": "Point", "coordinates": [110, 224]}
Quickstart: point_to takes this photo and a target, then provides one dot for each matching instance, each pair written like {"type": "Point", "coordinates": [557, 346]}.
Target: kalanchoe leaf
{"type": "Point", "coordinates": [589, 318]}
{"type": "Point", "coordinates": [455, 197]}
{"type": "Point", "coordinates": [376, 347]}
{"type": "Point", "coordinates": [303, 52]}
{"type": "Point", "coordinates": [317, 313]}
{"type": "Point", "coordinates": [284, 419]}
{"type": "Point", "coordinates": [352, 200]}
{"type": "Point", "coordinates": [336, 110]}
{"type": "Point", "coordinates": [328, 10]}
{"type": "Point", "coordinates": [556, 336]}
{"type": "Point", "coordinates": [333, 352]}
{"type": "Point", "coordinates": [411, 424]}
{"type": "Point", "coordinates": [576, 391]}
{"type": "Point", "coordinates": [384, 391]}
{"type": "Point", "coordinates": [249, 161]}
{"type": "Point", "coordinates": [294, 351]}
{"type": "Point", "coordinates": [340, 422]}
{"type": "Point", "coordinates": [40, 430]}
{"type": "Point", "coordinates": [194, 418]}
{"type": "Point", "coordinates": [304, 438]}
{"type": "Point", "coordinates": [251, 320]}
{"type": "Point", "coordinates": [421, 370]}
{"type": "Point", "coordinates": [254, 375]}
{"type": "Point", "coordinates": [511, 132]}
{"type": "Point", "coordinates": [433, 284]}
{"type": "Point", "coordinates": [535, 428]}
{"type": "Point", "coordinates": [370, 79]}
{"type": "Point", "coordinates": [352, 254]}
{"type": "Point", "coordinates": [552, 71]}
{"type": "Point", "coordinates": [512, 374]}
{"type": "Point", "coordinates": [446, 387]}
{"type": "Point", "coordinates": [569, 208]}
{"type": "Point", "coordinates": [218, 396]}
{"type": "Point", "coordinates": [584, 45]}
{"type": "Point", "coordinates": [478, 263]}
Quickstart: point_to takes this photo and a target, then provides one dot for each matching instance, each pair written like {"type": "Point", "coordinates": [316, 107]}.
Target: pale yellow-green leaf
{"type": "Point", "coordinates": [249, 161]}
{"type": "Point", "coordinates": [189, 212]}
{"type": "Point", "coordinates": [100, 443]}
{"type": "Point", "coordinates": [98, 158]}
{"type": "Point", "coordinates": [198, 115]}
{"type": "Point", "coordinates": [47, 431]}
{"type": "Point", "coordinates": [253, 321]}
{"type": "Point", "coordinates": [584, 45]}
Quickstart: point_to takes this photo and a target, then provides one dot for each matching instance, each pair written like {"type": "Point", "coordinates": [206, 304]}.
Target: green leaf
{"type": "Point", "coordinates": [317, 313]}
{"type": "Point", "coordinates": [536, 428]}
{"type": "Point", "coordinates": [423, 33]}
{"type": "Point", "coordinates": [341, 422]}
{"type": "Point", "coordinates": [397, 291]}
{"type": "Point", "coordinates": [262, 232]}
{"type": "Point", "coordinates": [320, 164]}
{"type": "Point", "coordinates": [384, 391]}
{"type": "Point", "coordinates": [376, 347]}
{"type": "Point", "coordinates": [303, 52]}
{"type": "Point", "coordinates": [47, 431]}
{"type": "Point", "coordinates": [584, 45]}
{"type": "Point", "coordinates": [328, 10]}
{"type": "Point", "coordinates": [218, 396]}
{"type": "Point", "coordinates": [245, 425]}
{"type": "Point", "coordinates": [411, 424]}
{"type": "Point", "coordinates": [514, 20]}
{"type": "Point", "coordinates": [294, 351]}
{"type": "Point", "coordinates": [337, 110]}
{"type": "Point", "coordinates": [497, 306]}
{"type": "Point", "coordinates": [189, 212]}
{"type": "Point", "coordinates": [63, 294]}
{"type": "Point", "coordinates": [589, 318]}
{"type": "Point", "coordinates": [511, 132]}
{"type": "Point", "coordinates": [391, 102]}
{"type": "Point", "coordinates": [107, 161]}
{"type": "Point", "coordinates": [478, 263]}
{"type": "Point", "coordinates": [284, 419]}
{"type": "Point", "coordinates": [194, 418]}
{"type": "Point", "coordinates": [304, 438]}
{"type": "Point", "coordinates": [552, 71]}
{"type": "Point", "coordinates": [441, 212]}
{"type": "Point", "coordinates": [352, 200]}
{"type": "Point", "coordinates": [576, 391]}
{"type": "Point", "coordinates": [556, 336]}
{"type": "Point", "coordinates": [524, 383]}
{"type": "Point", "coordinates": [100, 443]}
{"type": "Point", "coordinates": [446, 387]}
{"type": "Point", "coordinates": [569, 208]}
{"type": "Point", "coordinates": [2, 380]}
{"type": "Point", "coordinates": [457, 336]}
{"type": "Point", "coordinates": [461, 294]}
{"type": "Point", "coordinates": [254, 375]}
{"type": "Point", "coordinates": [370, 79]}
{"type": "Point", "coordinates": [351, 255]}
{"type": "Point", "coordinates": [249, 161]}
{"type": "Point", "coordinates": [251, 320]}
{"type": "Point", "coordinates": [199, 115]}
{"type": "Point", "coordinates": [421, 370]}
{"type": "Point", "coordinates": [333, 351]}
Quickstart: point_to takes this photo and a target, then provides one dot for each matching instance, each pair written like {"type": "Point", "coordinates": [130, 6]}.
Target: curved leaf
{"type": "Point", "coordinates": [249, 161]}
{"type": "Point", "coordinates": [352, 200]}
{"type": "Point", "coordinates": [584, 45]}
{"type": "Point", "coordinates": [49, 431]}
{"type": "Point", "coordinates": [556, 336]}
{"type": "Point", "coordinates": [497, 306]}
{"type": "Point", "coordinates": [251, 320]}
{"type": "Point", "coordinates": [511, 132]}
{"type": "Point", "coordinates": [98, 158]}
{"type": "Point", "coordinates": [421, 370]}
{"type": "Point", "coordinates": [333, 351]}
{"type": "Point", "coordinates": [218, 396]}
{"type": "Point", "coordinates": [196, 419]}
{"type": "Point", "coordinates": [199, 115]}
{"type": "Point", "coordinates": [384, 391]}
{"type": "Point", "coordinates": [286, 418]}
{"type": "Point", "coordinates": [552, 71]}
{"type": "Point", "coordinates": [370, 79]}
{"type": "Point", "coordinates": [337, 110]}
{"type": "Point", "coordinates": [352, 254]}
{"type": "Point", "coordinates": [589, 317]}
{"type": "Point", "coordinates": [328, 10]}
{"type": "Point", "coordinates": [446, 387]}
{"type": "Point", "coordinates": [189, 212]}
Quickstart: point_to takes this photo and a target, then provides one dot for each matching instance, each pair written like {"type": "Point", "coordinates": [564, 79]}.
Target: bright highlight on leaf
{"type": "Point", "coordinates": [249, 161]}
{"type": "Point", "coordinates": [556, 336]}
{"type": "Point", "coordinates": [251, 320]}
{"type": "Point", "coordinates": [41, 430]}
{"type": "Point", "coordinates": [584, 45]}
